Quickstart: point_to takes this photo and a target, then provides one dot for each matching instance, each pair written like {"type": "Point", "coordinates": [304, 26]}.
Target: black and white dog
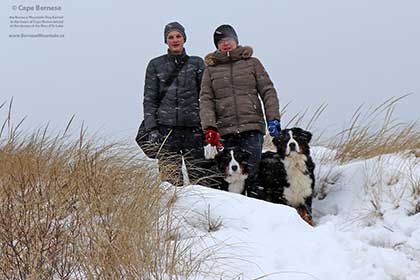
{"type": "Point", "coordinates": [287, 175]}
{"type": "Point", "coordinates": [228, 171]}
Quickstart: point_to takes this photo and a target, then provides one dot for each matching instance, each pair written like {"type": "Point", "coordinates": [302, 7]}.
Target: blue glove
{"type": "Point", "coordinates": [274, 128]}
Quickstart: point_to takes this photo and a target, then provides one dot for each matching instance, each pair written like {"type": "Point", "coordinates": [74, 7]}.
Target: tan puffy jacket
{"type": "Point", "coordinates": [230, 90]}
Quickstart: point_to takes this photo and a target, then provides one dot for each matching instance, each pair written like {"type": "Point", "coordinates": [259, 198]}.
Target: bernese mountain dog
{"type": "Point", "coordinates": [287, 176]}
{"type": "Point", "coordinates": [228, 171]}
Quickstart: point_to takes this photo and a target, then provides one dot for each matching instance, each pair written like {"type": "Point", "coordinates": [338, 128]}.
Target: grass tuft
{"type": "Point", "coordinates": [73, 209]}
{"type": "Point", "coordinates": [374, 133]}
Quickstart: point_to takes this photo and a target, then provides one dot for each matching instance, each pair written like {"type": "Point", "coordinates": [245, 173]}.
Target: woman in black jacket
{"type": "Point", "coordinates": [171, 102]}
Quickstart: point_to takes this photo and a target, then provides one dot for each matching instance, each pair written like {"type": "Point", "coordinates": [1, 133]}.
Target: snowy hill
{"type": "Point", "coordinates": [367, 226]}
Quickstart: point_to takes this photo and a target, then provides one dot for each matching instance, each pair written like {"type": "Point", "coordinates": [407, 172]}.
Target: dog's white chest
{"type": "Point", "coordinates": [237, 186]}
{"type": "Point", "coordinates": [236, 182]}
{"type": "Point", "coordinates": [298, 179]}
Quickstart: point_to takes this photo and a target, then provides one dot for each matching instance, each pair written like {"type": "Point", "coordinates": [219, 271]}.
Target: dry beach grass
{"type": "Point", "coordinates": [75, 209]}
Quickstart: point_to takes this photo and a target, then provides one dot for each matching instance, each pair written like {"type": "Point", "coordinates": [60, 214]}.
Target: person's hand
{"type": "Point", "coordinates": [155, 137]}
{"type": "Point", "coordinates": [274, 128]}
{"type": "Point", "coordinates": [212, 137]}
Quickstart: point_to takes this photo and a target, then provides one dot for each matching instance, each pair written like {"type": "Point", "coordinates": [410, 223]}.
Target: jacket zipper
{"type": "Point", "coordinates": [234, 94]}
{"type": "Point", "coordinates": [177, 103]}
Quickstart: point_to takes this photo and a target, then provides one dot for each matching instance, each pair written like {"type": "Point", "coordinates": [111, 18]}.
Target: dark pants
{"type": "Point", "coordinates": [252, 142]}
{"type": "Point", "coordinates": [188, 141]}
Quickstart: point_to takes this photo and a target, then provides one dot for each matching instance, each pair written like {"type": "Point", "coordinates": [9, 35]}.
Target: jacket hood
{"type": "Point", "coordinates": [219, 57]}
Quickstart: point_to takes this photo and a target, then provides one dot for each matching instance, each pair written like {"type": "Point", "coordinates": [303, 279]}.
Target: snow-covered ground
{"type": "Point", "coordinates": [367, 226]}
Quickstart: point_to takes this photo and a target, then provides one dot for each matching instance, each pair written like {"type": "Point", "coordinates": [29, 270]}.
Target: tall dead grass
{"type": "Point", "coordinates": [73, 209]}
{"type": "Point", "coordinates": [376, 132]}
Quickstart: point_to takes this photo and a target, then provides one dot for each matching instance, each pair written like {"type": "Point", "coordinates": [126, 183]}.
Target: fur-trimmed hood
{"type": "Point", "coordinates": [219, 57]}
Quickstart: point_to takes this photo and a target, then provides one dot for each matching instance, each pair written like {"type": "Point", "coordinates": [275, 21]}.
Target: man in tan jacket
{"type": "Point", "coordinates": [233, 86]}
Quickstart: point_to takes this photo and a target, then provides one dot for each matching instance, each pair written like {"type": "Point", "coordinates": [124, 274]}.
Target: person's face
{"type": "Point", "coordinates": [227, 45]}
{"type": "Point", "coordinates": [175, 42]}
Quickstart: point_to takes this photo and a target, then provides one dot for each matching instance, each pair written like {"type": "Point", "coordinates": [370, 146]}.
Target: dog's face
{"type": "Point", "coordinates": [293, 141]}
{"type": "Point", "coordinates": [232, 161]}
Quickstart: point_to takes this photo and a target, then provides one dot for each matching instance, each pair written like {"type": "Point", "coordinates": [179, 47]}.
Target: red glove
{"type": "Point", "coordinates": [212, 137]}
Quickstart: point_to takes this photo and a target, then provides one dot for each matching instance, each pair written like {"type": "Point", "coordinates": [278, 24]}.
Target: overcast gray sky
{"type": "Point", "coordinates": [343, 53]}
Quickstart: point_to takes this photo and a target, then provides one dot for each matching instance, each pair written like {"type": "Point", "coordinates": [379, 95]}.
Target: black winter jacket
{"type": "Point", "coordinates": [178, 103]}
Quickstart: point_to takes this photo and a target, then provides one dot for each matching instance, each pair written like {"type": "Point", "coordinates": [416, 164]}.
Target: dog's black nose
{"type": "Point", "coordinates": [234, 167]}
{"type": "Point", "coordinates": [292, 146]}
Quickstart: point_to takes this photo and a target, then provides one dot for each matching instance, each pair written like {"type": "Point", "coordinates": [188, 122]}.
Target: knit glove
{"type": "Point", "coordinates": [155, 137]}
{"type": "Point", "coordinates": [212, 137]}
{"type": "Point", "coordinates": [274, 128]}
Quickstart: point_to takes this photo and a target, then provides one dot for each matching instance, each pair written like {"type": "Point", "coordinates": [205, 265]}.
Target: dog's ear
{"type": "Point", "coordinates": [243, 159]}
{"type": "Point", "coordinates": [302, 134]}
{"type": "Point", "coordinates": [219, 159]}
{"type": "Point", "coordinates": [306, 135]}
{"type": "Point", "coordinates": [245, 155]}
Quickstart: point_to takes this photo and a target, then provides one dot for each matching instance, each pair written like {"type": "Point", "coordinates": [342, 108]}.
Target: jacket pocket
{"type": "Point", "coordinates": [256, 103]}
